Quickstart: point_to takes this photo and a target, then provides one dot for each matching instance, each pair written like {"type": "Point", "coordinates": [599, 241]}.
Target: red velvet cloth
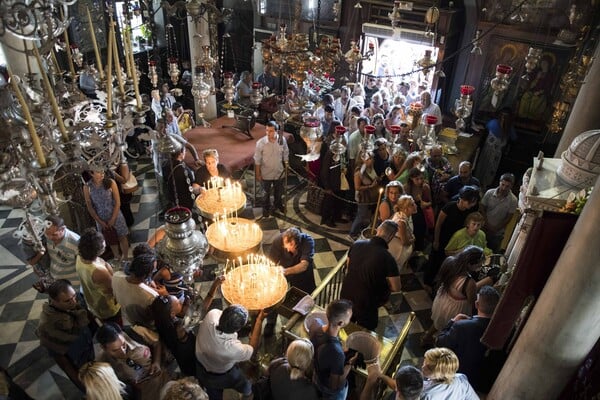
{"type": "Point", "coordinates": [236, 150]}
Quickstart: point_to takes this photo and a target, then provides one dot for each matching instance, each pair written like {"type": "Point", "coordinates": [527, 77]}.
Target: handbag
{"type": "Point", "coordinates": [429, 218]}
{"type": "Point", "coordinates": [110, 236]}
{"type": "Point", "coordinates": [344, 185]}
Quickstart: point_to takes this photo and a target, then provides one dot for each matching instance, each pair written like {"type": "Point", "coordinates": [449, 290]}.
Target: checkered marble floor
{"type": "Point", "coordinates": [20, 304]}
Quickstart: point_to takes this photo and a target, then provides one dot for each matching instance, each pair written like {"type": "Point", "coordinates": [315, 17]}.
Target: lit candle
{"type": "Point", "coordinates": [34, 137]}
{"type": "Point", "coordinates": [376, 212]}
{"type": "Point", "coordinates": [116, 56]}
{"type": "Point", "coordinates": [50, 91]}
{"type": "Point", "coordinates": [96, 51]}
{"type": "Point", "coordinates": [109, 80]}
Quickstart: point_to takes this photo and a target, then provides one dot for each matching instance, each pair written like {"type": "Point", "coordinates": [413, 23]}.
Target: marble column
{"type": "Point", "coordinates": [564, 324]}
{"type": "Point", "coordinates": [583, 117]}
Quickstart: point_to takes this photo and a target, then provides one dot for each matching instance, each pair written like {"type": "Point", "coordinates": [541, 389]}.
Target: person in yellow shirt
{"type": "Point", "coordinates": [184, 118]}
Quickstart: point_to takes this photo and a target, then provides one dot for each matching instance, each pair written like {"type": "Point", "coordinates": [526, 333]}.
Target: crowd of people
{"type": "Point", "coordinates": [136, 314]}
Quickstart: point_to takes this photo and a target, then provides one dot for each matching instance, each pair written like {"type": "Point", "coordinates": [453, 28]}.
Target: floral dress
{"type": "Point", "coordinates": [104, 204]}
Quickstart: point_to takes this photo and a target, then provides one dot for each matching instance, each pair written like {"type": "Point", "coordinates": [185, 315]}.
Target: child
{"type": "Point", "coordinates": [471, 234]}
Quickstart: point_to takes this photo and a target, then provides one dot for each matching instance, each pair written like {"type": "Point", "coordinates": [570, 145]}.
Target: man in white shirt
{"type": "Point", "coordinates": [270, 162]}
{"type": "Point", "coordinates": [62, 250]}
{"type": "Point", "coordinates": [430, 108]}
{"type": "Point", "coordinates": [218, 350]}
{"type": "Point", "coordinates": [498, 206]}
{"type": "Point", "coordinates": [342, 106]}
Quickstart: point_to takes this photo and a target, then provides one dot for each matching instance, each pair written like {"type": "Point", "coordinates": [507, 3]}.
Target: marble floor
{"type": "Point", "coordinates": [20, 305]}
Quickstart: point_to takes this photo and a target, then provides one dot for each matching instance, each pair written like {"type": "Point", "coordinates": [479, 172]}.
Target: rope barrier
{"type": "Point", "coordinates": [313, 185]}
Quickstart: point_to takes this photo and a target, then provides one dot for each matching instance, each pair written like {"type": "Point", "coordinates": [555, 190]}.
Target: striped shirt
{"type": "Point", "coordinates": [63, 257]}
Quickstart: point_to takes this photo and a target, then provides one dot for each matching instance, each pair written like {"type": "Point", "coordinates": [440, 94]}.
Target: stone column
{"type": "Point", "coordinates": [564, 324]}
{"type": "Point", "coordinates": [583, 118]}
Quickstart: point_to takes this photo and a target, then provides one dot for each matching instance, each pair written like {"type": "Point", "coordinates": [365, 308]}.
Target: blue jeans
{"type": "Point", "coordinates": [277, 186]}
{"type": "Point", "coordinates": [215, 383]}
{"type": "Point", "coordinates": [362, 219]}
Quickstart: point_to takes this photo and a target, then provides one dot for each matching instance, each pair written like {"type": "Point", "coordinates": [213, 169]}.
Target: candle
{"type": "Point", "coordinates": [96, 51]}
{"type": "Point", "coordinates": [126, 51]}
{"type": "Point", "coordinates": [138, 99]}
{"type": "Point", "coordinates": [48, 88]}
{"type": "Point", "coordinates": [376, 212]}
{"type": "Point", "coordinates": [109, 79]}
{"type": "Point", "coordinates": [116, 56]}
{"type": "Point", "coordinates": [55, 62]}
{"type": "Point", "coordinates": [34, 137]}
{"type": "Point", "coordinates": [68, 46]}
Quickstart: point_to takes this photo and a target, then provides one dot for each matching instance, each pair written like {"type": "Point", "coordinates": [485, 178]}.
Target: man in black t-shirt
{"type": "Point", "coordinates": [372, 275]}
{"type": "Point", "coordinates": [331, 367]}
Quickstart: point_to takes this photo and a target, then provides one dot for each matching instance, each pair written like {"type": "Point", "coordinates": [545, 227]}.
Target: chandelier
{"type": "Point", "coordinates": [290, 56]}
{"type": "Point", "coordinates": [46, 148]}
{"type": "Point", "coordinates": [256, 284]}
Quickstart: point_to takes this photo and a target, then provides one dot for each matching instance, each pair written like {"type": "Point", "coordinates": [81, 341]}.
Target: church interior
{"type": "Point", "coordinates": [353, 97]}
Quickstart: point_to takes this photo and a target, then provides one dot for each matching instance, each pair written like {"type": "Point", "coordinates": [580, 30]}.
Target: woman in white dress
{"type": "Point", "coordinates": [401, 246]}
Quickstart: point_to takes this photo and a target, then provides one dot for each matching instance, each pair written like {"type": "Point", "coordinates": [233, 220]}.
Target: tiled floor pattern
{"type": "Point", "coordinates": [20, 304]}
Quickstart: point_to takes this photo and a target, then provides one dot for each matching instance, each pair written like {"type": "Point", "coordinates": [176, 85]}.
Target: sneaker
{"type": "Point", "coordinates": [269, 330]}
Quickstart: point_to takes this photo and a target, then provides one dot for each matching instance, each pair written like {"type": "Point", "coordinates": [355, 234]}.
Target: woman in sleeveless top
{"type": "Point", "coordinates": [457, 289]}
{"type": "Point", "coordinates": [421, 193]}
{"type": "Point", "coordinates": [393, 191]}
{"type": "Point", "coordinates": [103, 203]}
{"type": "Point", "coordinates": [401, 246]}
{"type": "Point", "coordinates": [366, 188]}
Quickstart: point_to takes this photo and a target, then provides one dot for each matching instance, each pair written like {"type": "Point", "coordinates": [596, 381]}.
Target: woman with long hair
{"type": "Point", "coordinates": [421, 193]}
{"type": "Point", "coordinates": [101, 382]}
{"type": "Point", "coordinates": [441, 379]}
{"type": "Point", "coordinates": [366, 185]}
{"type": "Point", "coordinates": [393, 191]}
{"type": "Point", "coordinates": [104, 205]}
{"type": "Point", "coordinates": [457, 289]}
{"type": "Point", "coordinates": [291, 376]}
{"type": "Point", "coordinates": [401, 246]}
{"type": "Point", "coordinates": [413, 160]}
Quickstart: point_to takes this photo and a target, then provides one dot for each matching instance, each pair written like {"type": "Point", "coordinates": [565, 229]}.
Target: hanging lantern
{"type": "Point", "coordinates": [152, 73]}
{"type": "Point", "coordinates": [500, 83]}
{"type": "Point", "coordinates": [366, 146]}
{"type": "Point", "coordinates": [336, 146]}
{"type": "Point", "coordinates": [430, 139]}
{"type": "Point", "coordinates": [174, 70]}
{"type": "Point", "coordinates": [463, 106]}
{"type": "Point", "coordinates": [531, 61]}
{"type": "Point", "coordinates": [200, 90]}
{"type": "Point", "coordinates": [228, 89]}
{"type": "Point", "coordinates": [256, 96]}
